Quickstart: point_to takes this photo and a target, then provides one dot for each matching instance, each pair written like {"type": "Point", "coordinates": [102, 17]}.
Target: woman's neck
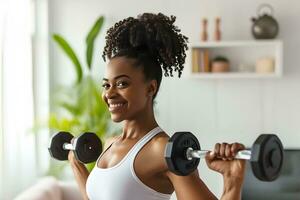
{"type": "Point", "coordinates": [140, 126]}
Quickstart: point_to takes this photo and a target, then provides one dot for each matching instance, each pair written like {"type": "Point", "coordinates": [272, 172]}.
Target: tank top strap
{"type": "Point", "coordinates": [144, 141]}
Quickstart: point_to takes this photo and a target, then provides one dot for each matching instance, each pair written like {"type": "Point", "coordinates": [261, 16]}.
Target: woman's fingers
{"type": "Point", "coordinates": [217, 149]}
{"type": "Point", "coordinates": [226, 151]}
{"type": "Point", "coordinates": [235, 147]}
{"type": "Point", "coordinates": [222, 150]}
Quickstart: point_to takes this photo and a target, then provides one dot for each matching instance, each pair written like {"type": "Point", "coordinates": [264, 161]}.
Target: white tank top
{"type": "Point", "coordinates": [120, 182]}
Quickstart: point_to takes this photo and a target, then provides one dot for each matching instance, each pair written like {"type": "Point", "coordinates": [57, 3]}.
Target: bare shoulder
{"type": "Point", "coordinates": [156, 151]}
{"type": "Point", "coordinates": [160, 141]}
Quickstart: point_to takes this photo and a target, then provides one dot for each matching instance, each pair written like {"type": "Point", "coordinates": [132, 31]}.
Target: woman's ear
{"type": "Point", "coordinates": [152, 88]}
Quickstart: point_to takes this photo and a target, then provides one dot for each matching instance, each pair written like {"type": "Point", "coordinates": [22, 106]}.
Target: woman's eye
{"type": "Point", "coordinates": [105, 86]}
{"type": "Point", "coordinates": [121, 84]}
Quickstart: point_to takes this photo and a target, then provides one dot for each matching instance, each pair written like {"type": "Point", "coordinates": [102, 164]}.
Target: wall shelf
{"type": "Point", "coordinates": [239, 53]}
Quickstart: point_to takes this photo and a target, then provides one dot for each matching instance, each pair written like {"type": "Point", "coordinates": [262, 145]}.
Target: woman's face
{"type": "Point", "coordinates": [125, 90]}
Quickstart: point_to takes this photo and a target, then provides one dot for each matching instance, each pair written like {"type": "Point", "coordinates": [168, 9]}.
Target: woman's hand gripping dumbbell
{"type": "Point", "coordinates": [87, 147]}
{"type": "Point", "coordinates": [183, 155]}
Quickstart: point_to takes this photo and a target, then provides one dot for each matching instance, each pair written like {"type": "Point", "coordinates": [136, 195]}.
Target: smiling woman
{"type": "Point", "coordinates": [133, 165]}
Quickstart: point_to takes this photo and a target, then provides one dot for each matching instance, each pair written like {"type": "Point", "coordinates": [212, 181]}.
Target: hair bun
{"type": "Point", "coordinates": [154, 34]}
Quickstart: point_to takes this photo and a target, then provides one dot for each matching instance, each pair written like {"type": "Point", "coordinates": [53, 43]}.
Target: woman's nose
{"type": "Point", "coordinates": [110, 93]}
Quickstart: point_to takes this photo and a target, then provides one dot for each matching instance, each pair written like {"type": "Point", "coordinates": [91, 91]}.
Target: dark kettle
{"type": "Point", "coordinates": [265, 26]}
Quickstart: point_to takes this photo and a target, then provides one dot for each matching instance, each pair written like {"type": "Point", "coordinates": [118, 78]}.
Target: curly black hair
{"type": "Point", "coordinates": [152, 40]}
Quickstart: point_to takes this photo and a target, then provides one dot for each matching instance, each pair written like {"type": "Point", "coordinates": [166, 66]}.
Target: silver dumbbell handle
{"type": "Point", "coordinates": [191, 153]}
{"type": "Point", "coordinates": [68, 146]}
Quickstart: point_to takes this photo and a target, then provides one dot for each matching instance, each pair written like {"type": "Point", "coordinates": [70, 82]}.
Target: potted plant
{"type": "Point", "coordinates": [78, 108]}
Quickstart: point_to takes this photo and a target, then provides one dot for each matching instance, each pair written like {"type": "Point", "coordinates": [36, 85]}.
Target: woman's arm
{"type": "Point", "coordinates": [232, 188]}
{"type": "Point", "coordinates": [80, 172]}
{"type": "Point", "coordinates": [233, 170]}
{"type": "Point", "coordinates": [191, 187]}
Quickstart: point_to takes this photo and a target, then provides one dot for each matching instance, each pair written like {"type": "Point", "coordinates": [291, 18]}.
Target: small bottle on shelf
{"type": "Point", "coordinates": [204, 35]}
{"type": "Point", "coordinates": [217, 29]}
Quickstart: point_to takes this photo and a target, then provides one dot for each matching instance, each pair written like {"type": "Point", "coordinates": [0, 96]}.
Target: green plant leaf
{"type": "Point", "coordinates": [72, 109]}
{"type": "Point", "coordinates": [78, 108]}
{"type": "Point", "coordinates": [53, 121]}
{"type": "Point", "coordinates": [70, 53]}
{"type": "Point", "coordinates": [91, 38]}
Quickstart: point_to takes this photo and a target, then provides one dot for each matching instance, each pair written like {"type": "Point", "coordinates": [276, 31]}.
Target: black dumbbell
{"type": "Point", "coordinates": [183, 155]}
{"type": "Point", "coordinates": [87, 147]}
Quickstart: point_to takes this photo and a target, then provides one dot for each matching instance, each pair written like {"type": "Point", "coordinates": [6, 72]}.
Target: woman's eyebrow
{"type": "Point", "coordinates": [120, 76]}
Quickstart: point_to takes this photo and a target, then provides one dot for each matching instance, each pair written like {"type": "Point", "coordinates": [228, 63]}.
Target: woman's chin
{"type": "Point", "coordinates": [116, 118]}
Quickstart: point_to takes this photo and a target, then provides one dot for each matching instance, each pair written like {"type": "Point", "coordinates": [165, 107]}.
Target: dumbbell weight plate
{"type": "Point", "coordinates": [175, 153]}
{"type": "Point", "coordinates": [88, 147]}
{"type": "Point", "coordinates": [267, 157]}
{"type": "Point", "coordinates": [56, 147]}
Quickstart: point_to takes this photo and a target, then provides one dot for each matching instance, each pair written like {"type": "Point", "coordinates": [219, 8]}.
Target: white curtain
{"type": "Point", "coordinates": [1, 132]}
{"type": "Point", "coordinates": [18, 159]}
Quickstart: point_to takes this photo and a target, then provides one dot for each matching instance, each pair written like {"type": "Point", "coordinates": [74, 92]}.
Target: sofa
{"type": "Point", "coordinates": [49, 188]}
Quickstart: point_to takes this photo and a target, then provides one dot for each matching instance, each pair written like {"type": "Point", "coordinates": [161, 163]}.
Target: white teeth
{"type": "Point", "coordinates": [116, 105]}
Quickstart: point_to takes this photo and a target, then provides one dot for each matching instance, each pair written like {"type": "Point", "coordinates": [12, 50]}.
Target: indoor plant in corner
{"type": "Point", "coordinates": [79, 108]}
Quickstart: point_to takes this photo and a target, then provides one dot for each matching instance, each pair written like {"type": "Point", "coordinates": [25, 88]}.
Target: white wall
{"type": "Point", "coordinates": [215, 110]}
